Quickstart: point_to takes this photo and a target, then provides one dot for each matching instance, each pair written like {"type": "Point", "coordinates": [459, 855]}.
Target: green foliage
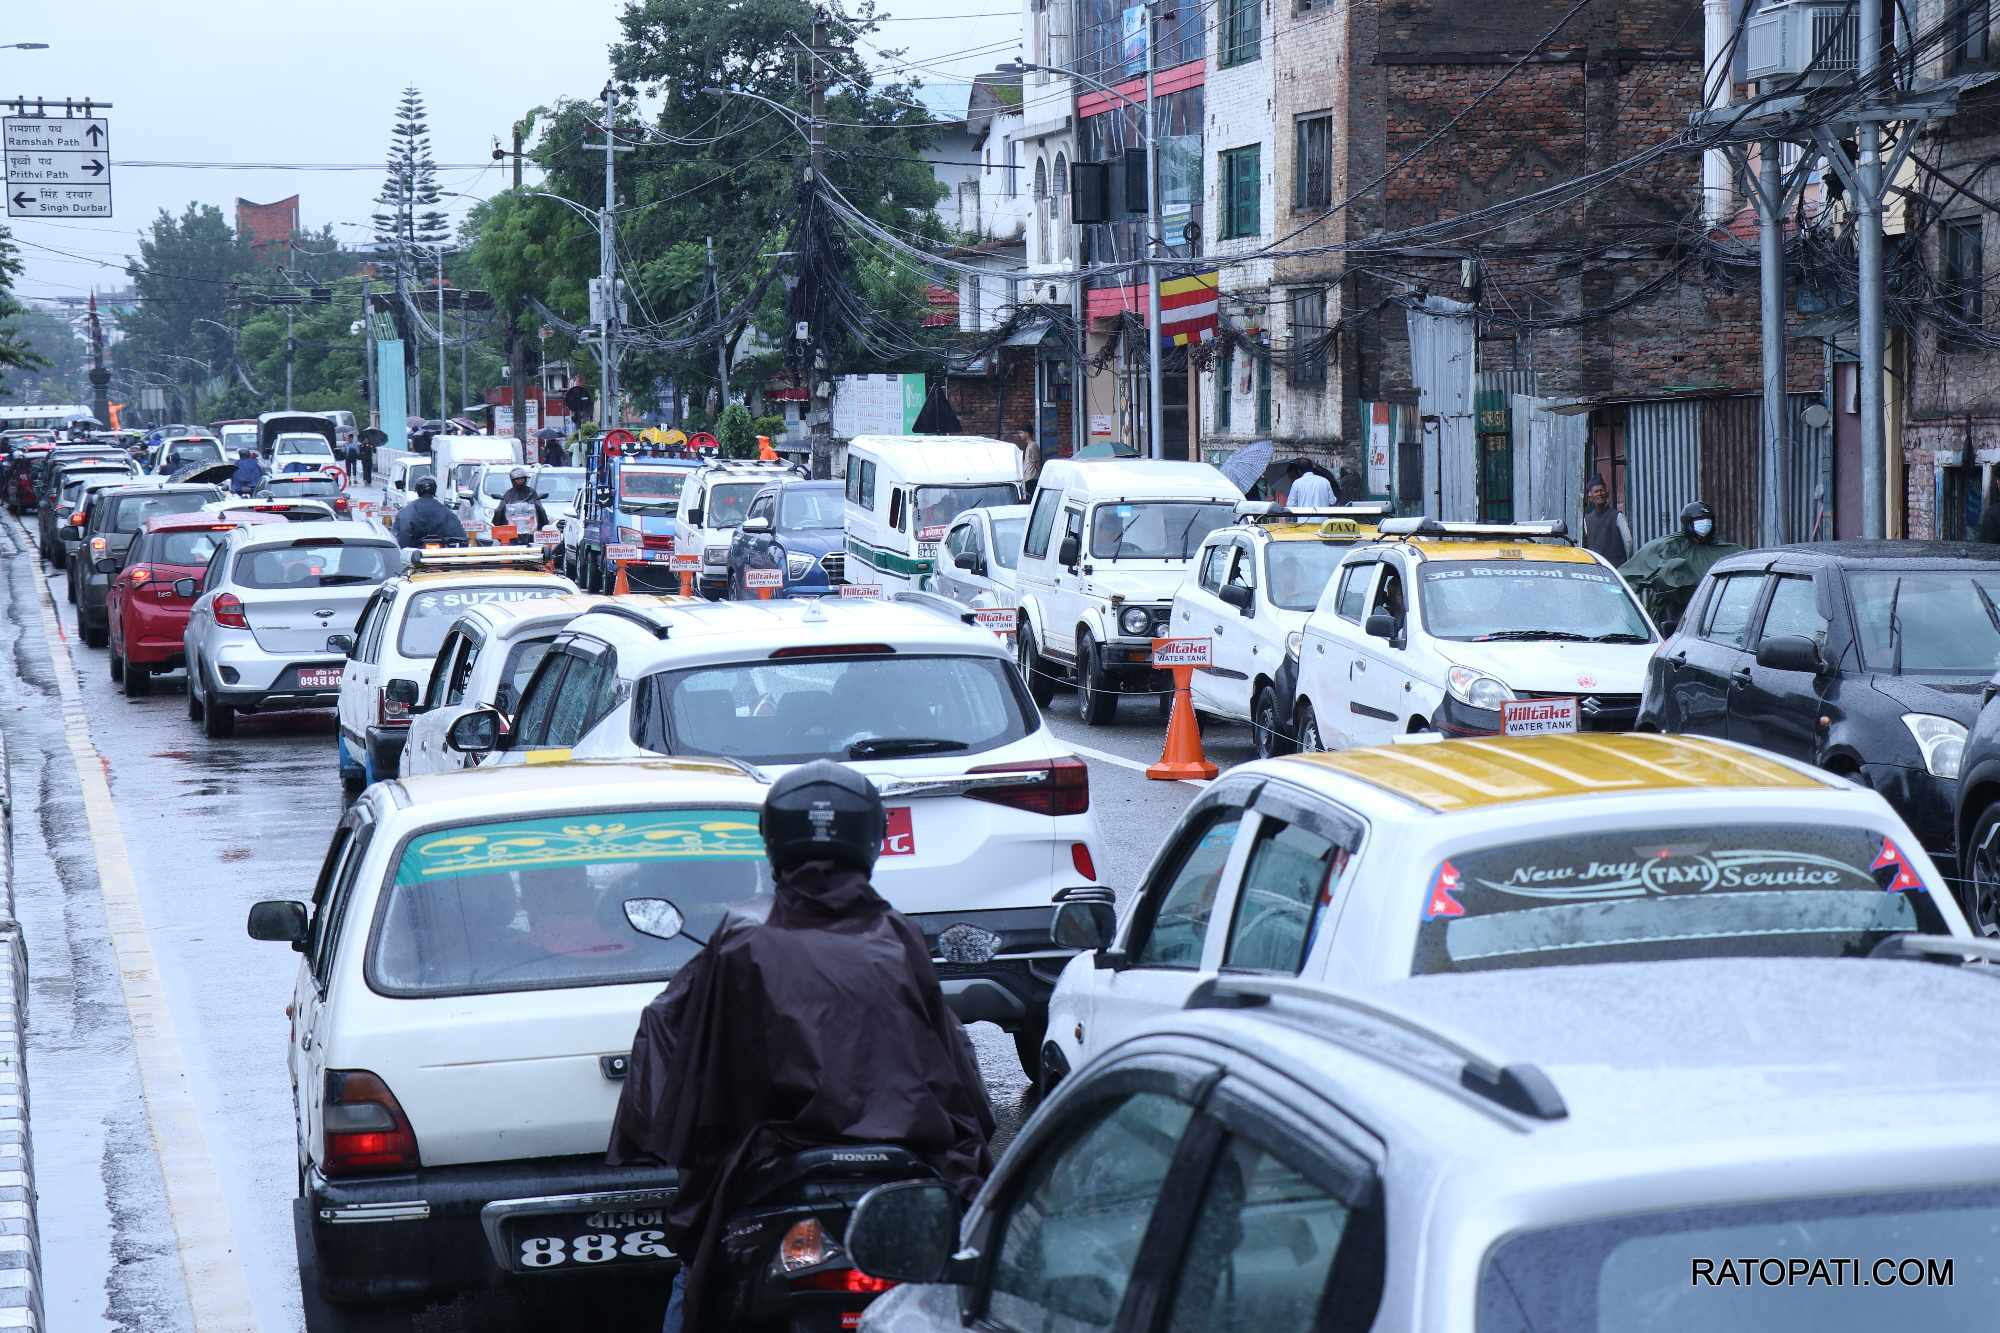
{"type": "Point", "coordinates": [773, 426]}
{"type": "Point", "coordinates": [14, 352]}
{"type": "Point", "coordinates": [184, 275]}
{"type": "Point", "coordinates": [64, 359]}
{"type": "Point", "coordinates": [735, 433]}
{"type": "Point", "coordinates": [408, 213]}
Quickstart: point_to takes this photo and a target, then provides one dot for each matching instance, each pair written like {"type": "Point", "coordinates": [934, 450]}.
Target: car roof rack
{"type": "Point", "coordinates": [1940, 949]}
{"type": "Point", "coordinates": [659, 629]}
{"type": "Point", "coordinates": [1269, 511]}
{"type": "Point", "coordinates": [1519, 1086]}
{"type": "Point", "coordinates": [1554, 530]}
{"type": "Point", "coordinates": [428, 558]}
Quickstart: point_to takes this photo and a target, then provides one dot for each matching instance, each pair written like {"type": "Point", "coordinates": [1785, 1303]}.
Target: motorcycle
{"type": "Point", "coordinates": [784, 1267]}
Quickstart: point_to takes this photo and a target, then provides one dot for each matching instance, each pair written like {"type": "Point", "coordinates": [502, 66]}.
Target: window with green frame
{"type": "Point", "coordinates": [1264, 391]}
{"type": "Point", "coordinates": [1225, 375]}
{"type": "Point", "coordinates": [1242, 31]}
{"type": "Point", "coordinates": [1242, 191]}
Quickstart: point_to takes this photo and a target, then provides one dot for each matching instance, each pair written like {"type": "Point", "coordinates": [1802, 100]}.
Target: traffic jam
{"type": "Point", "coordinates": [679, 892]}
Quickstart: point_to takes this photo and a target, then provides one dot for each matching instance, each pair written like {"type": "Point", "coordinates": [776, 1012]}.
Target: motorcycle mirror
{"type": "Point", "coordinates": [656, 917]}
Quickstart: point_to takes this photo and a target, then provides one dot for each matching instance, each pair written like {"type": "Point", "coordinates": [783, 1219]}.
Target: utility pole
{"type": "Point", "coordinates": [1868, 242]}
{"type": "Point", "coordinates": [816, 429]}
{"type": "Point", "coordinates": [607, 271]}
{"type": "Point", "coordinates": [516, 351]}
{"type": "Point", "coordinates": [100, 378]}
{"type": "Point", "coordinates": [721, 336]}
{"type": "Point", "coordinates": [1777, 456]}
{"type": "Point", "coordinates": [1155, 248]}
{"type": "Point", "coordinates": [289, 346]}
{"type": "Point", "coordinates": [368, 352]}
{"type": "Point", "coordinates": [441, 358]}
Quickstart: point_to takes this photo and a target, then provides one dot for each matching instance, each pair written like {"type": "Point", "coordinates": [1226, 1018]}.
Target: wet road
{"type": "Point", "coordinates": [140, 847]}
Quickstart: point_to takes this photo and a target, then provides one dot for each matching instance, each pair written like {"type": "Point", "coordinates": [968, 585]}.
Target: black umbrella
{"type": "Point", "coordinates": [375, 435]}
{"type": "Point", "coordinates": [937, 417]}
{"type": "Point", "coordinates": [548, 433]}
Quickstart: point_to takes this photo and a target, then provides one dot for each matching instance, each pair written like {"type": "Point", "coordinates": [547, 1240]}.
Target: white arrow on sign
{"type": "Point", "coordinates": [57, 168]}
{"type": "Point", "coordinates": [58, 201]}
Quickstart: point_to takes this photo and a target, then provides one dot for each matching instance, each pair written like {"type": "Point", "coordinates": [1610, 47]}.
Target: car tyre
{"type": "Point", "coordinates": [1028, 1050]}
{"type": "Point", "coordinates": [69, 586]}
{"type": "Point", "coordinates": [193, 696]}
{"type": "Point", "coordinates": [327, 1316]}
{"type": "Point", "coordinates": [94, 636]}
{"type": "Point", "coordinates": [1266, 732]}
{"type": "Point", "coordinates": [1979, 890]}
{"type": "Point", "coordinates": [1310, 741]}
{"type": "Point", "coordinates": [1035, 668]}
{"type": "Point", "coordinates": [218, 720]}
{"type": "Point", "coordinates": [1094, 700]}
{"type": "Point", "coordinates": [138, 679]}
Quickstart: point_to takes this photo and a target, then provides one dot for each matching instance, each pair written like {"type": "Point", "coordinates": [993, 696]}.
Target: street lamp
{"type": "Point", "coordinates": [24, 46]}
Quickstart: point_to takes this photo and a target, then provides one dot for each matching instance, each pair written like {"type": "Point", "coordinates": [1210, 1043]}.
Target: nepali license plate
{"type": "Point", "coordinates": [319, 678]}
{"type": "Point", "coordinates": [623, 1233]}
{"type": "Point", "coordinates": [1537, 717]}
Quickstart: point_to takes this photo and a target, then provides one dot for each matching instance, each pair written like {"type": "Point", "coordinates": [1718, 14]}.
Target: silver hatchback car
{"type": "Point", "coordinates": [1778, 1145]}
{"type": "Point", "coordinates": [275, 617]}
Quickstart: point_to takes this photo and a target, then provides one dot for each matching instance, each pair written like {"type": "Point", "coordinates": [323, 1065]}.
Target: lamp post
{"type": "Point", "coordinates": [24, 46]}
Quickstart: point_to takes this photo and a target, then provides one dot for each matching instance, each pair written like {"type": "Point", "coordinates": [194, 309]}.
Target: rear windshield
{"type": "Point", "coordinates": [727, 502]}
{"type": "Point", "coordinates": [181, 548]}
{"type": "Point", "coordinates": [430, 614]}
{"type": "Point", "coordinates": [1618, 897]}
{"type": "Point", "coordinates": [937, 506]}
{"type": "Point", "coordinates": [786, 712]}
{"type": "Point", "coordinates": [317, 562]}
{"type": "Point", "coordinates": [128, 513]}
{"type": "Point", "coordinates": [289, 487]}
{"type": "Point", "coordinates": [1853, 1263]}
{"type": "Point", "coordinates": [188, 455]}
{"type": "Point", "coordinates": [1155, 530]}
{"type": "Point", "coordinates": [537, 903]}
{"type": "Point", "coordinates": [301, 444]}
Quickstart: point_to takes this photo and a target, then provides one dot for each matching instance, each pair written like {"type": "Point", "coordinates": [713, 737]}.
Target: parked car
{"type": "Point", "coordinates": [145, 612]}
{"type": "Point", "coordinates": [903, 491]}
{"type": "Point", "coordinates": [109, 526]}
{"type": "Point", "coordinates": [990, 824]}
{"type": "Point", "coordinates": [396, 643]}
{"type": "Point", "coordinates": [275, 617]}
{"type": "Point", "coordinates": [982, 549]}
{"type": "Point", "coordinates": [792, 526]}
{"type": "Point", "coordinates": [463, 1013]}
{"type": "Point", "coordinates": [1253, 587]}
{"type": "Point", "coordinates": [1444, 626]}
{"type": "Point", "coordinates": [1107, 545]}
{"type": "Point", "coordinates": [1653, 1146]}
{"type": "Point", "coordinates": [713, 502]}
{"type": "Point", "coordinates": [1453, 856]}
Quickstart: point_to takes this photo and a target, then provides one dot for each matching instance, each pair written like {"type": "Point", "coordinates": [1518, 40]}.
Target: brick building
{"type": "Point", "coordinates": [268, 227]}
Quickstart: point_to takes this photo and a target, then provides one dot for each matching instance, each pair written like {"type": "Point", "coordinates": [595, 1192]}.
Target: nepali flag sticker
{"type": "Point", "coordinates": [1903, 877]}
{"type": "Point", "coordinates": [1443, 885]}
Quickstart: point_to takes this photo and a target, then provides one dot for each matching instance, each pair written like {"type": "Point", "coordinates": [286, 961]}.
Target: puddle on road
{"type": "Point", "coordinates": [236, 854]}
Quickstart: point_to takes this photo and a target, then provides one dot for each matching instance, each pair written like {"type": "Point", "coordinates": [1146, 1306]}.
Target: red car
{"type": "Point", "coordinates": [145, 616]}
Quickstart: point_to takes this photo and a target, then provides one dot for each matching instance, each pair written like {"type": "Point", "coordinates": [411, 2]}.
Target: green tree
{"type": "Point", "coordinates": [63, 356]}
{"type": "Point", "coordinates": [14, 353]}
{"type": "Point", "coordinates": [735, 433]}
{"type": "Point", "coordinates": [185, 278]}
{"type": "Point", "coordinates": [409, 214]}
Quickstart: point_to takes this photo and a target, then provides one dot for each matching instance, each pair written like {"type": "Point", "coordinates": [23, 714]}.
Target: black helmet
{"type": "Point", "coordinates": [823, 811]}
{"type": "Point", "coordinates": [1695, 513]}
{"type": "Point", "coordinates": [427, 486]}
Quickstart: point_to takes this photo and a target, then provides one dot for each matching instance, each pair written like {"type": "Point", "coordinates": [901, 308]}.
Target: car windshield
{"type": "Point", "coordinates": [183, 548]}
{"type": "Point", "coordinates": [528, 904]}
{"type": "Point", "coordinates": [1155, 529]}
{"type": "Point", "coordinates": [1479, 600]}
{"type": "Point", "coordinates": [431, 613]}
{"type": "Point", "coordinates": [810, 508]}
{"type": "Point", "coordinates": [462, 475]}
{"type": "Point", "coordinates": [1296, 573]}
{"type": "Point", "coordinates": [1007, 540]}
{"type": "Point", "coordinates": [235, 438]}
{"type": "Point", "coordinates": [558, 488]}
{"type": "Point", "coordinates": [651, 486]}
{"type": "Point", "coordinates": [192, 453]}
{"type": "Point", "coordinates": [1776, 1266]}
{"type": "Point", "coordinates": [937, 506]}
{"type": "Point", "coordinates": [130, 512]}
{"type": "Point", "coordinates": [292, 487]}
{"type": "Point", "coordinates": [1929, 620]}
{"type": "Point", "coordinates": [787, 712]}
{"type": "Point", "coordinates": [317, 562]}
{"type": "Point", "coordinates": [415, 473]}
{"type": "Point", "coordinates": [727, 501]}
{"type": "Point", "coordinates": [1634, 895]}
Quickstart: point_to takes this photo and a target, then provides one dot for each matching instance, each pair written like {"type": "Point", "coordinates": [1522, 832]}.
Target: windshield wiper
{"type": "Point", "coordinates": [1986, 604]}
{"type": "Point", "coordinates": [1895, 629]}
{"type": "Point", "coordinates": [892, 745]}
{"type": "Point", "coordinates": [1621, 638]}
{"type": "Point", "coordinates": [338, 580]}
{"type": "Point", "coordinates": [1528, 634]}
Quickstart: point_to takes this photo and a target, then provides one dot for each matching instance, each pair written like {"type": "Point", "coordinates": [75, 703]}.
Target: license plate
{"type": "Point", "coordinates": [324, 678]}
{"type": "Point", "coordinates": [568, 1241]}
{"type": "Point", "coordinates": [901, 838]}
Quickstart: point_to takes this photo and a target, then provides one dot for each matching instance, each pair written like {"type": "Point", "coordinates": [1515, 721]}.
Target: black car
{"type": "Point", "coordinates": [111, 521]}
{"type": "Point", "coordinates": [1865, 658]}
{"type": "Point", "coordinates": [1978, 816]}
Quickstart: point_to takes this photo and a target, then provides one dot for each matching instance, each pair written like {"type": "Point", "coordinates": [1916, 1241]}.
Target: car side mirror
{"type": "Point", "coordinates": [1084, 925]}
{"type": "Point", "coordinates": [187, 587]}
{"type": "Point", "coordinates": [1071, 549]}
{"type": "Point", "coordinates": [657, 917]}
{"type": "Point", "coordinates": [108, 565]}
{"type": "Point", "coordinates": [340, 643]}
{"type": "Point", "coordinates": [1789, 652]}
{"type": "Point", "coordinates": [475, 733]}
{"type": "Point", "coordinates": [402, 692]}
{"type": "Point", "coordinates": [967, 561]}
{"type": "Point", "coordinates": [694, 516]}
{"type": "Point", "coordinates": [1381, 625]}
{"type": "Point", "coordinates": [756, 527]}
{"type": "Point", "coordinates": [280, 920]}
{"type": "Point", "coordinates": [1242, 598]}
{"type": "Point", "coordinates": [905, 1231]}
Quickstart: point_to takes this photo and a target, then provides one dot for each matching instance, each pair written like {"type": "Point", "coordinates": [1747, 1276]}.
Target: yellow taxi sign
{"type": "Point", "coordinates": [1340, 527]}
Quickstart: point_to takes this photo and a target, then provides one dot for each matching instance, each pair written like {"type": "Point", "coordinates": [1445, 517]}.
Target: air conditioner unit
{"type": "Point", "coordinates": [1799, 37]}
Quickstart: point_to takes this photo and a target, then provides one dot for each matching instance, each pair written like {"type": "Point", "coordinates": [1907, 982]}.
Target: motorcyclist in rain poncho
{"type": "Point", "coordinates": [1666, 571]}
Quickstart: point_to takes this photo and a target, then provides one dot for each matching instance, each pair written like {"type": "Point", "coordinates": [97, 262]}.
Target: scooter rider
{"type": "Point", "coordinates": [731, 1065]}
{"type": "Point", "coordinates": [425, 522]}
{"type": "Point", "coordinates": [521, 508]}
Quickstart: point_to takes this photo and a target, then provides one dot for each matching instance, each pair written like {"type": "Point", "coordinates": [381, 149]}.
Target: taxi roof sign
{"type": "Point", "coordinates": [1269, 511]}
{"type": "Point", "coordinates": [434, 558]}
{"type": "Point", "coordinates": [1425, 526]}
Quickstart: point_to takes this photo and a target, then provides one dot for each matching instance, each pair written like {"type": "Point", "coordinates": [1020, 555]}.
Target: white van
{"type": "Point", "coordinates": [456, 460]}
{"type": "Point", "coordinates": [903, 491]}
{"type": "Point", "coordinates": [1109, 542]}
{"type": "Point", "coordinates": [712, 504]}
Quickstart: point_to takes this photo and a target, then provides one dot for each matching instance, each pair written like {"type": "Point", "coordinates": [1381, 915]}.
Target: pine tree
{"type": "Point", "coordinates": [410, 216]}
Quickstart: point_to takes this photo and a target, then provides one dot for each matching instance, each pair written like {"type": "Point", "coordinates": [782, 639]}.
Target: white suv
{"type": "Point", "coordinates": [712, 504]}
{"type": "Point", "coordinates": [990, 825]}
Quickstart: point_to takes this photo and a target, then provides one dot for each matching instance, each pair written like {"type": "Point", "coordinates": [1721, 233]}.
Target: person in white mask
{"type": "Point", "coordinates": [1666, 571]}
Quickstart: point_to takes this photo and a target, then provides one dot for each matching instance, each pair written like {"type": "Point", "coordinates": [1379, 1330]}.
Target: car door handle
{"type": "Point", "coordinates": [1679, 659]}
{"type": "Point", "coordinates": [1739, 678]}
{"type": "Point", "coordinates": [1218, 629]}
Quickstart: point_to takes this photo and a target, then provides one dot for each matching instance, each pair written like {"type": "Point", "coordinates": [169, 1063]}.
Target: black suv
{"type": "Point", "coordinates": [1866, 658]}
{"type": "Point", "coordinates": [113, 519]}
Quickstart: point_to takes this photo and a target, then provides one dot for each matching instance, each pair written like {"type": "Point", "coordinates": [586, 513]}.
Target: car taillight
{"type": "Point", "coordinates": [98, 546]}
{"type": "Point", "coordinates": [366, 1130]}
{"type": "Point", "coordinates": [1079, 857]}
{"type": "Point", "coordinates": [76, 520]}
{"type": "Point", "coordinates": [391, 712]}
{"type": "Point", "coordinates": [141, 575]}
{"type": "Point", "coordinates": [850, 1280]}
{"type": "Point", "coordinates": [658, 541]}
{"type": "Point", "coordinates": [229, 611]}
{"type": "Point", "coordinates": [1063, 789]}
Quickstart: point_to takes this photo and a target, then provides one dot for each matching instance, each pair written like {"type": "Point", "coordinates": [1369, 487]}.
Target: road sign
{"type": "Point", "coordinates": [763, 578]}
{"type": "Point", "coordinates": [1181, 652]}
{"type": "Point", "coordinates": [57, 166]}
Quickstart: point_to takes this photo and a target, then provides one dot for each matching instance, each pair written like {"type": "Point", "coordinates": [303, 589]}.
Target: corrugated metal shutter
{"type": "Point", "coordinates": [1810, 504]}
{"type": "Point", "coordinates": [1663, 465]}
{"type": "Point", "coordinates": [1441, 363]}
{"type": "Point", "coordinates": [1548, 463]}
{"type": "Point", "coordinates": [1731, 434]}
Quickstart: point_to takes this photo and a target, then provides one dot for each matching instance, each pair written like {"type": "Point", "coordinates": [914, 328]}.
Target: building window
{"type": "Point", "coordinates": [1964, 281]}
{"type": "Point", "coordinates": [1309, 337]}
{"type": "Point", "coordinates": [1042, 206]}
{"type": "Point", "coordinates": [1013, 186]}
{"type": "Point", "coordinates": [1225, 382]}
{"type": "Point", "coordinates": [1242, 187]}
{"type": "Point", "coordinates": [1263, 389]}
{"type": "Point", "coordinates": [1314, 168]}
{"type": "Point", "coordinates": [1061, 206]}
{"type": "Point", "coordinates": [1242, 36]}
{"type": "Point", "coordinates": [1969, 32]}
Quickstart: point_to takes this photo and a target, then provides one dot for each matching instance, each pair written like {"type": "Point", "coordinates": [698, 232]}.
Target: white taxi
{"type": "Point", "coordinates": [1440, 856]}
{"type": "Point", "coordinates": [1470, 629]}
{"type": "Point", "coordinates": [398, 637]}
{"type": "Point", "coordinates": [990, 822]}
{"type": "Point", "coordinates": [1250, 588]}
{"type": "Point", "coordinates": [463, 1017]}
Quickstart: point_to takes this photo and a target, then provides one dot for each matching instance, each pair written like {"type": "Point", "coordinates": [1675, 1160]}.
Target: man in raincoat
{"type": "Point", "coordinates": [819, 1025]}
{"type": "Point", "coordinates": [1666, 570]}
{"type": "Point", "coordinates": [249, 473]}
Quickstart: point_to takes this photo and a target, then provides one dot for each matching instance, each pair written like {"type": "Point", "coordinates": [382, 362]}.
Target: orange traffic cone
{"type": "Point", "coordinates": [687, 583]}
{"type": "Point", "coordinates": [1182, 757]}
{"type": "Point", "coordinates": [763, 594]}
{"type": "Point", "coordinates": [622, 586]}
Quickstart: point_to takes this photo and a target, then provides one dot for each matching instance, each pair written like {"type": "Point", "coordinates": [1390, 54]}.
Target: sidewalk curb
{"type": "Point", "coordinates": [20, 1237]}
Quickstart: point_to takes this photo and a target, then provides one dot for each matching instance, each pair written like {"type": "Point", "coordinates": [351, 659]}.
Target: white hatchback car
{"type": "Point", "coordinates": [301, 453]}
{"type": "Point", "coordinates": [990, 825]}
{"type": "Point", "coordinates": [397, 639]}
{"type": "Point", "coordinates": [1449, 626]}
{"type": "Point", "coordinates": [464, 1012]}
{"type": "Point", "coordinates": [978, 557]}
{"type": "Point", "coordinates": [1434, 856]}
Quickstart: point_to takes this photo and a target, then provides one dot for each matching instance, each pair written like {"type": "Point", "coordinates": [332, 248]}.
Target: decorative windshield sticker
{"type": "Point", "coordinates": [1670, 871]}
{"type": "Point", "coordinates": [1443, 885]}
{"type": "Point", "coordinates": [1903, 876]}
{"type": "Point", "coordinates": [450, 603]}
{"type": "Point", "coordinates": [1578, 573]}
{"type": "Point", "coordinates": [643, 835]}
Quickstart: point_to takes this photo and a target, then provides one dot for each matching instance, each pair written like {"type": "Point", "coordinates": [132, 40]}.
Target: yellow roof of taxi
{"type": "Point", "coordinates": [1316, 530]}
{"type": "Point", "coordinates": [1457, 548]}
{"type": "Point", "coordinates": [481, 574]}
{"type": "Point", "coordinates": [555, 785]}
{"type": "Point", "coordinates": [1456, 775]}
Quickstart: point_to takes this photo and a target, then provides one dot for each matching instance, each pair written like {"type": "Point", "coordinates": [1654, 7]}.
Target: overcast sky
{"type": "Point", "coordinates": [230, 81]}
